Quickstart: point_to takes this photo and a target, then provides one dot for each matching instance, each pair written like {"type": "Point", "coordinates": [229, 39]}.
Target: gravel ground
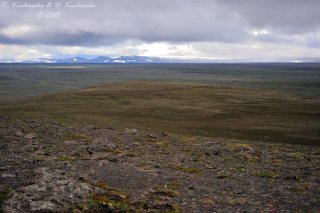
{"type": "Point", "coordinates": [55, 168]}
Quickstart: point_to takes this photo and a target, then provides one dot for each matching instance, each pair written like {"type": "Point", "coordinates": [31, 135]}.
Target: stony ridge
{"type": "Point", "coordinates": [57, 168]}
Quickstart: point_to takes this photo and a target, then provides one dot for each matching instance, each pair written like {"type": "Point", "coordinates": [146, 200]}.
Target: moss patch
{"type": "Point", "coordinates": [267, 175]}
{"type": "Point", "coordinates": [3, 198]}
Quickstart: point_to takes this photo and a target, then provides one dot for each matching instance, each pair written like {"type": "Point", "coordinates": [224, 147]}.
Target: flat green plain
{"type": "Point", "coordinates": [269, 103]}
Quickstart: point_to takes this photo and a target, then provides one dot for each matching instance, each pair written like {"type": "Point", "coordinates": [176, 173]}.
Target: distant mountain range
{"type": "Point", "coordinates": [103, 60]}
{"type": "Point", "coordinates": [154, 60]}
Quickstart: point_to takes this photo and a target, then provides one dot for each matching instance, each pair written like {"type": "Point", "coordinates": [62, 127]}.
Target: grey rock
{"type": "Point", "coordinates": [111, 146]}
{"type": "Point", "coordinates": [8, 175]}
{"type": "Point", "coordinates": [136, 144]}
{"type": "Point", "coordinates": [152, 136]}
{"type": "Point", "coordinates": [30, 136]}
{"type": "Point", "coordinates": [54, 191]}
{"type": "Point", "coordinates": [72, 142]}
{"type": "Point", "coordinates": [100, 140]}
{"type": "Point", "coordinates": [18, 133]}
{"type": "Point", "coordinates": [131, 131]}
{"type": "Point", "coordinates": [43, 206]}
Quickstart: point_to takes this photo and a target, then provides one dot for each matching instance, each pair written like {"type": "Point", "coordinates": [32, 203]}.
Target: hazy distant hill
{"type": "Point", "coordinates": [103, 60]}
{"type": "Point", "coordinates": [150, 60]}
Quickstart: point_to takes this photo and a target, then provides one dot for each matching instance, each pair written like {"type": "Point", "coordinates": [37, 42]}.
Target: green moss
{"type": "Point", "coordinates": [114, 151]}
{"type": "Point", "coordinates": [267, 175]}
{"type": "Point", "coordinates": [3, 198]}
{"type": "Point", "coordinates": [102, 185]}
{"type": "Point", "coordinates": [110, 199]}
{"type": "Point", "coordinates": [168, 190]}
{"type": "Point", "coordinates": [86, 206]}
{"type": "Point", "coordinates": [75, 136]}
{"type": "Point", "coordinates": [118, 201]}
{"type": "Point", "coordinates": [171, 186]}
{"type": "Point", "coordinates": [111, 203]}
{"type": "Point", "coordinates": [175, 209]}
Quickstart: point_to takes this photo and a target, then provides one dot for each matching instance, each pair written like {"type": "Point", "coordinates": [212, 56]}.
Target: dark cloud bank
{"type": "Point", "coordinates": [113, 21]}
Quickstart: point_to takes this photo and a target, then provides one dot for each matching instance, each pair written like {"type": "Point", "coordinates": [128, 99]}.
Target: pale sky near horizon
{"type": "Point", "coordinates": [211, 29]}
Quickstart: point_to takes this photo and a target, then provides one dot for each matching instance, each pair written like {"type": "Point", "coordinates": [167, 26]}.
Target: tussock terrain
{"type": "Point", "coordinates": [160, 147]}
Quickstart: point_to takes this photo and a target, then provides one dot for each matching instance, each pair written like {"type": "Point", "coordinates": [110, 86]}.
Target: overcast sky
{"type": "Point", "coordinates": [212, 29]}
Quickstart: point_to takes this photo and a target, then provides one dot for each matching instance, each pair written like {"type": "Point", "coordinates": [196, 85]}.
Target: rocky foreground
{"type": "Point", "coordinates": [56, 168]}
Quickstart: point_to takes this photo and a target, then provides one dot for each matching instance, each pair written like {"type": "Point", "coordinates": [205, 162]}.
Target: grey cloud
{"type": "Point", "coordinates": [114, 21]}
{"type": "Point", "coordinates": [293, 16]}
{"type": "Point", "coordinates": [62, 38]}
